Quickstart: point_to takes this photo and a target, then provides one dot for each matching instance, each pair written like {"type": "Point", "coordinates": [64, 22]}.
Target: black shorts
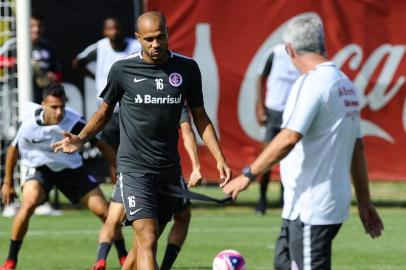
{"type": "Point", "coordinates": [303, 246]}
{"type": "Point", "coordinates": [273, 124]}
{"type": "Point", "coordinates": [182, 204]}
{"type": "Point", "coordinates": [142, 197]}
{"type": "Point", "coordinates": [116, 194]}
{"type": "Point", "coordinates": [111, 131]}
{"type": "Point", "coordinates": [73, 183]}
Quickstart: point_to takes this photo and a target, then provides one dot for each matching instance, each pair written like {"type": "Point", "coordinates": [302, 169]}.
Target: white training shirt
{"type": "Point", "coordinates": [324, 107]}
{"type": "Point", "coordinates": [282, 76]}
{"type": "Point", "coordinates": [34, 142]}
{"type": "Point", "coordinates": [106, 56]}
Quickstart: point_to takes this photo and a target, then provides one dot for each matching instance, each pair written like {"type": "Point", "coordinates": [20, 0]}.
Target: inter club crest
{"type": "Point", "coordinates": [175, 79]}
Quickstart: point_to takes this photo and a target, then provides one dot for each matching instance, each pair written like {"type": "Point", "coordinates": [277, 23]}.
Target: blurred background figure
{"type": "Point", "coordinates": [274, 82]}
{"type": "Point", "coordinates": [105, 52]}
{"type": "Point", "coordinates": [46, 68]}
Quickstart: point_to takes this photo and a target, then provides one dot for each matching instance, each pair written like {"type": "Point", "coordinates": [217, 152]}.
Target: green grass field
{"type": "Point", "coordinates": [69, 241]}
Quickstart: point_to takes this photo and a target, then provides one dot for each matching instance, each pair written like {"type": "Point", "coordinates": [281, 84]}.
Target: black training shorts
{"type": "Point", "coordinates": [142, 197]}
{"type": "Point", "coordinates": [303, 246]}
{"type": "Point", "coordinates": [73, 183]}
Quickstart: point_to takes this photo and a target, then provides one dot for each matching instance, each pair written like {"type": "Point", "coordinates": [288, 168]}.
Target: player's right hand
{"type": "Point", "coordinates": [70, 144]}
{"type": "Point", "coordinates": [7, 193]}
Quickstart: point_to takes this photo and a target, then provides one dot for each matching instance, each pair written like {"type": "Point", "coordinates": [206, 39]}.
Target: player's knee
{"type": "Point", "coordinates": [147, 240]}
{"type": "Point", "coordinates": [183, 217]}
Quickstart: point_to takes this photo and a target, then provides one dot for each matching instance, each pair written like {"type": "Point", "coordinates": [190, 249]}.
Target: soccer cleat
{"type": "Point", "coordinates": [99, 265]}
{"type": "Point", "coordinates": [9, 265]}
{"type": "Point", "coordinates": [121, 260]}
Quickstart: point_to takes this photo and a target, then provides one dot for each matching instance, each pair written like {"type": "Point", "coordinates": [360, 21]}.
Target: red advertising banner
{"type": "Point", "coordinates": [229, 40]}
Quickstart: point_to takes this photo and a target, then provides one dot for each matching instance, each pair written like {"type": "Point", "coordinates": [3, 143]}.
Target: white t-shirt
{"type": "Point", "coordinates": [282, 76]}
{"type": "Point", "coordinates": [324, 107]}
{"type": "Point", "coordinates": [34, 141]}
{"type": "Point", "coordinates": [106, 56]}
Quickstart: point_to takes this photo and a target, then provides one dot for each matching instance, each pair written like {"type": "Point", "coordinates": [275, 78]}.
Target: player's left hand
{"type": "Point", "coordinates": [225, 173]}
{"type": "Point", "coordinates": [7, 193]}
{"type": "Point", "coordinates": [195, 178]}
{"type": "Point", "coordinates": [236, 185]}
{"type": "Point", "coordinates": [370, 219]}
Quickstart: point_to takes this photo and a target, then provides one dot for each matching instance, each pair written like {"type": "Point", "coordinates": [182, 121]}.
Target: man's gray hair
{"type": "Point", "coordinates": [305, 34]}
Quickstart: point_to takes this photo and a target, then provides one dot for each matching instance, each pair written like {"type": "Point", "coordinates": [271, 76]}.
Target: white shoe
{"type": "Point", "coordinates": [11, 209]}
{"type": "Point", "coordinates": [46, 209]}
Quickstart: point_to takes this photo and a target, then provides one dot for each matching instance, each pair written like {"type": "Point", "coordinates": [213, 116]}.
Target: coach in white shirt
{"type": "Point", "coordinates": [320, 144]}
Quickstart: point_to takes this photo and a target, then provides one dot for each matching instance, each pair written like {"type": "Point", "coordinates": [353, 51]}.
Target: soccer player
{"type": "Point", "coordinates": [46, 67]}
{"type": "Point", "coordinates": [182, 213]}
{"type": "Point", "coordinates": [320, 144]}
{"type": "Point", "coordinates": [151, 86]}
{"type": "Point", "coordinates": [105, 52]}
{"type": "Point", "coordinates": [276, 77]}
{"type": "Point", "coordinates": [47, 169]}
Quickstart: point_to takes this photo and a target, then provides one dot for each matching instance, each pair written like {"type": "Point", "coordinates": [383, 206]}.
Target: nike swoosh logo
{"type": "Point", "coordinates": [139, 80]}
{"type": "Point", "coordinates": [134, 212]}
{"type": "Point", "coordinates": [37, 141]}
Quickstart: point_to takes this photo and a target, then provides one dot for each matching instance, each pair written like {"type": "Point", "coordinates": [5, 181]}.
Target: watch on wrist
{"type": "Point", "coordinates": [246, 171]}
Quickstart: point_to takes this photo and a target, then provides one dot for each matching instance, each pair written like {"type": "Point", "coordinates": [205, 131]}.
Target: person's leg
{"type": "Point", "coordinates": [33, 194]}
{"type": "Point", "coordinates": [96, 202]}
{"type": "Point", "coordinates": [146, 238]}
{"type": "Point", "coordinates": [110, 228]}
{"type": "Point", "coordinates": [310, 245]}
{"type": "Point", "coordinates": [176, 237]}
{"type": "Point", "coordinates": [282, 257]}
{"type": "Point", "coordinates": [263, 188]}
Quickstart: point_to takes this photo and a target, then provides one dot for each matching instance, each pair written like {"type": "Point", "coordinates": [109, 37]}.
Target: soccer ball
{"type": "Point", "coordinates": [229, 260]}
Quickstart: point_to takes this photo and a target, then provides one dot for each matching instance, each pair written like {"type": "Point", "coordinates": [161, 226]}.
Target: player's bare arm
{"type": "Point", "coordinates": [206, 131]}
{"type": "Point", "coordinates": [276, 150]}
{"type": "Point", "coordinates": [72, 143]}
{"type": "Point", "coordinates": [260, 104]}
{"type": "Point", "coordinates": [7, 191]}
{"type": "Point", "coordinates": [108, 153]}
{"type": "Point", "coordinates": [190, 145]}
{"type": "Point", "coordinates": [369, 216]}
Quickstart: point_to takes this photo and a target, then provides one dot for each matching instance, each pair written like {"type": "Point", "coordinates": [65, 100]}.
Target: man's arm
{"type": "Point", "coordinates": [206, 131]}
{"type": "Point", "coordinates": [367, 212]}
{"type": "Point", "coordinates": [83, 59]}
{"type": "Point", "coordinates": [108, 153]}
{"type": "Point", "coordinates": [276, 150]}
{"type": "Point", "coordinates": [189, 142]}
{"type": "Point", "coordinates": [261, 87]}
{"type": "Point", "coordinates": [72, 143]}
{"type": "Point", "coordinates": [81, 67]}
{"type": "Point", "coordinates": [7, 190]}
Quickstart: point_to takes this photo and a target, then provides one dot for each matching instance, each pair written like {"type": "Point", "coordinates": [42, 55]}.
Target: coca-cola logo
{"type": "Point", "coordinates": [379, 96]}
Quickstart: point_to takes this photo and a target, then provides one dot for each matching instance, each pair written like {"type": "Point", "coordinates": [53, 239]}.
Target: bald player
{"type": "Point", "coordinates": [151, 87]}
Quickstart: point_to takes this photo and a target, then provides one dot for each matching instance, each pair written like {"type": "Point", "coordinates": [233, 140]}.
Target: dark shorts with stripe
{"type": "Point", "coordinates": [142, 197]}
{"type": "Point", "coordinates": [73, 183]}
{"type": "Point", "coordinates": [304, 247]}
{"type": "Point", "coordinates": [273, 124]}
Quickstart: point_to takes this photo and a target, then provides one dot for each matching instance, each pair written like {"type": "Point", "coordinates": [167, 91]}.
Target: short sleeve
{"type": "Point", "coordinates": [302, 106]}
{"type": "Point", "coordinates": [77, 128]}
{"type": "Point", "coordinates": [89, 54]}
{"type": "Point", "coordinates": [268, 66]}
{"type": "Point", "coordinates": [194, 94]}
{"type": "Point", "coordinates": [113, 90]}
{"type": "Point", "coordinates": [184, 117]}
{"type": "Point", "coordinates": [17, 137]}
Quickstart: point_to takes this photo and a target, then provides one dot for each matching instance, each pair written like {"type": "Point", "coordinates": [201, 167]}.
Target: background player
{"type": "Point", "coordinates": [47, 169]}
{"type": "Point", "coordinates": [276, 77]}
